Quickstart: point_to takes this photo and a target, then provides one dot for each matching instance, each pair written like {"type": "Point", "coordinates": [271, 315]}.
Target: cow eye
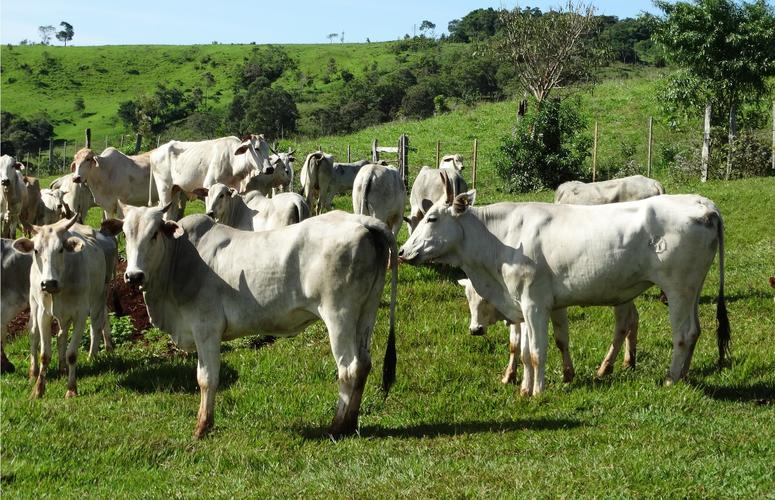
{"type": "Point", "coordinates": [432, 218]}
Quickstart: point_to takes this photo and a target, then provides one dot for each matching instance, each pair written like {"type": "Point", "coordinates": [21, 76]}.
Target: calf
{"type": "Point", "coordinates": [68, 282]}
{"type": "Point", "coordinates": [205, 283]}
{"type": "Point", "coordinates": [254, 211]}
{"type": "Point", "coordinates": [280, 179]}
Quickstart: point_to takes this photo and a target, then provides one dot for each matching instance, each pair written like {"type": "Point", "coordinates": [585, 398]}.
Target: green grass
{"type": "Point", "coordinates": [448, 428]}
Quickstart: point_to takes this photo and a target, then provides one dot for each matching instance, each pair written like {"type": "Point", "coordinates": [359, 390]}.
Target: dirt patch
{"type": "Point", "coordinates": [122, 299]}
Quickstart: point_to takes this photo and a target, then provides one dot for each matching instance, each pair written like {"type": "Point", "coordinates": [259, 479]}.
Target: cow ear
{"type": "Point", "coordinates": [202, 191]}
{"type": "Point", "coordinates": [241, 150]}
{"type": "Point", "coordinates": [463, 201]}
{"type": "Point", "coordinates": [425, 205]}
{"type": "Point", "coordinates": [448, 191]}
{"type": "Point", "coordinates": [72, 167]}
{"type": "Point", "coordinates": [112, 226]}
{"type": "Point", "coordinates": [23, 245]}
{"type": "Point", "coordinates": [171, 229]}
{"type": "Point", "coordinates": [73, 244]}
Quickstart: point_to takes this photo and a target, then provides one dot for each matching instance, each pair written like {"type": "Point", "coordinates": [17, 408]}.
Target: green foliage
{"type": "Point", "coordinates": [264, 66]}
{"type": "Point", "coordinates": [67, 32]}
{"type": "Point", "coordinates": [548, 148]}
{"type": "Point", "coordinates": [151, 114]}
{"type": "Point", "coordinates": [270, 111]}
{"type": "Point", "coordinates": [22, 136]}
{"type": "Point", "coordinates": [476, 25]}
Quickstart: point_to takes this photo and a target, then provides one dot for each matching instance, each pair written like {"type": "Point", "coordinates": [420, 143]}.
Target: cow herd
{"type": "Point", "coordinates": [265, 259]}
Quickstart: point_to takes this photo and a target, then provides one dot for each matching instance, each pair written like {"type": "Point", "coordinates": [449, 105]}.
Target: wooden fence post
{"type": "Point", "coordinates": [158, 138]}
{"type": "Point", "coordinates": [106, 142]}
{"type": "Point", "coordinates": [438, 154]}
{"type": "Point", "coordinates": [121, 144]}
{"type": "Point", "coordinates": [64, 156]}
{"type": "Point", "coordinates": [374, 152]}
{"type": "Point", "coordinates": [732, 138]}
{"type": "Point", "coordinates": [473, 166]}
{"type": "Point", "coordinates": [705, 144]}
{"type": "Point", "coordinates": [773, 136]}
{"type": "Point", "coordinates": [348, 154]}
{"type": "Point", "coordinates": [648, 158]}
{"type": "Point", "coordinates": [50, 151]}
{"type": "Point", "coordinates": [88, 138]}
{"type": "Point", "coordinates": [594, 154]}
{"type": "Point", "coordinates": [403, 158]}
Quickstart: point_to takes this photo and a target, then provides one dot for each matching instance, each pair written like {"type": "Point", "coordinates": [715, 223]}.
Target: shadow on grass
{"type": "Point", "coordinates": [171, 376]}
{"type": "Point", "coordinates": [761, 393]}
{"type": "Point", "coordinates": [451, 429]}
{"type": "Point", "coordinates": [750, 294]}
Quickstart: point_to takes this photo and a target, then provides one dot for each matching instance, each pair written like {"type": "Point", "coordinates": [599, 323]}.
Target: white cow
{"type": "Point", "coordinates": [192, 165]}
{"type": "Point", "coordinates": [429, 186]}
{"type": "Point", "coordinates": [254, 211]}
{"type": "Point", "coordinates": [454, 162]}
{"type": "Point", "coordinates": [68, 282]}
{"type": "Point", "coordinates": [13, 195]}
{"type": "Point", "coordinates": [484, 314]}
{"type": "Point", "coordinates": [112, 176]}
{"type": "Point", "coordinates": [379, 191]}
{"type": "Point", "coordinates": [635, 187]}
{"type": "Point", "coordinates": [280, 179]}
{"type": "Point", "coordinates": [51, 207]}
{"type": "Point", "coordinates": [76, 197]}
{"type": "Point", "coordinates": [205, 283]}
{"type": "Point", "coordinates": [321, 176]}
{"type": "Point", "coordinates": [14, 292]}
{"type": "Point", "coordinates": [528, 259]}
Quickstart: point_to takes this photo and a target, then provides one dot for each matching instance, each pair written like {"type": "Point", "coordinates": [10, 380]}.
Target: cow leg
{"type": "Point", "coordinates": [537, 319]}
{"type": "Point", "coordinates": [620, 333]}
{"type": "Point", "coordinates": [34, 343]}
{"type": "Point", "coordinates": [631, 341]}
{"type": "Point", "coordinates": [106, 331]}
{"type": "Point", "coordinates": [685, 331]}
{"type": "Point", "coordinates": [99, 327]}
{"type": "Point", "coordinates": [64, 327]}
{"type": "Point", "coordinates": [5, 364]}
{"type": "Point", "coordinates": [560, 328]}
{"type": "Point", "coordinates": [694, 335]}
{"type": "Point", "coordinates": [353, 363]}
{"type": "Point", "coordinates": [510, 375]}
{"type": "Point", "coordinates": [44, 328]}
{"type": "Point", "coordinates": [79, 325]}
{"type": "Point", "coordinates": [526, 389]}
{"type": "Point", "coordinates": [208, 366]}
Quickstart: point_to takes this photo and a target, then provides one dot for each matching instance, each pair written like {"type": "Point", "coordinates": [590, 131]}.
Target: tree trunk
{"type": "Point", "coordinates": [732, 137]}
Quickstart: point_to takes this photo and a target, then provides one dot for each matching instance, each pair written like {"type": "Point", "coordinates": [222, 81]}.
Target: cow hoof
{"type": "Point", "coordinates": [203, 428]}
{"type": "Point", "coordinates": [524, 392]}
{"type": "Point", "coordinates": [71, 393]}
{"type": "Point", "coordinates": [38, 392]}
{"type": "Point", "coordinates": [32, 375]}
{"type": "Point", "coordinates": [509, 378]}
{"type": "Point", "coordinates": [605, 369]}
{"type": "Point", "coordinates": [669, 382]}
{"type": "Point", "coordinates": [628, 365]}
{"type": "Point", "coordinates": [340, 429]}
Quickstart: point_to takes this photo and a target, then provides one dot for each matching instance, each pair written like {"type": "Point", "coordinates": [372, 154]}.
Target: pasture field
{"type": "Point", "coordinates": [448, 427]}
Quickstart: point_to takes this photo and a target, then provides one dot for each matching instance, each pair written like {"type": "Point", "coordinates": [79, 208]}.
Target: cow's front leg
{"type": "Point", "coordinates": [34, 343]}
{"type": "Point", "coordinates": [510, 375]}
{"type": "Point", "coordinates": [537, 319]}
{"type": "Point", "coordinates": [64, 327]}
{"type": "Point", "coordinates": [44, 329]}
{"type": "Point", "coordinates": [207, 375]}
{"type": "Point", "coordinates": [79, 326]}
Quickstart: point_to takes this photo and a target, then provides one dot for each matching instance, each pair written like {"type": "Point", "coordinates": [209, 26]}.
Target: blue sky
{"type": "Point", "coordinates": [119, 22]}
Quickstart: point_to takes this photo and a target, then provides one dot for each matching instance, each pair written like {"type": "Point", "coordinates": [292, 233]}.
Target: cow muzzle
{"type": "Point", "coordinates": [5, 182]}
{"type": "Point", "coordinates": [136, 278]}
{"type": "Point", "coordinates": [49, 286]}
{"type": "Point", "coordinates": [269, 170]}
{"type": "Point", "coordinates": [77, 179]}
{"type": "Point", "coordinates": [478, 331]}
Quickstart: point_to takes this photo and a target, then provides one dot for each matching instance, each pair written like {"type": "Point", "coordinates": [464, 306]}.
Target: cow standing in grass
{"type": "Point", "coordinates": [379, 191]}
{"type": "Point", "coordinates": [531, 258]}
{"type": "Point", "coordinates": [205, 283]}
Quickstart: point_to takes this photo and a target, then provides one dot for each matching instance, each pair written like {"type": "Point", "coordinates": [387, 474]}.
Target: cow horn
{"type": "Point", "coordinates": [166, 207]}
{"type": "Point", "coordinates": [71, 221]}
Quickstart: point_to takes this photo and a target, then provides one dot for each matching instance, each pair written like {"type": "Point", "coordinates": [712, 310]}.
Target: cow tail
{"type": "Point", "coordinates": [363, 209]}
{"type": "Point", "coordinates": [723, 335]}
{"type": "Point", "coordinates": [389, 365]}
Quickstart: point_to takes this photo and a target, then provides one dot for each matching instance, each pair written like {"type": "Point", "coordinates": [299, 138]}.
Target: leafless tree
{"type": "Point", "coordinates": [547, 50]}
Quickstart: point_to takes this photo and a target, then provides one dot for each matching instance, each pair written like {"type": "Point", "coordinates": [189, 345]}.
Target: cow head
{"type": "Point", "coordinates": [483, 314]}
{"type": "Point", "coordinates": [258, 151]}
{"type": "Point", "coordinates": [8, 168]}
{"type": "Point", "coordinates": [452, 161]}
{"type": "Point", "coordinates": [147, 235]}
{"type": "Point", "coordinates": [76, 198]}
{"type": "Point", "coordinates": [83, 161]}
{"type": "Point", "coordinates": [439, 233]}
{"type": "Point", "coordinates": [219, 200]}
{"type": "Point", "coordinates": [49, 245]}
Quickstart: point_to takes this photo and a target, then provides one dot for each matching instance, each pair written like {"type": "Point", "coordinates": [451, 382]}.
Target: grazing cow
{"type": "Point", "coordinates": [635, 187]}
{"type": "Point", "coordinates": [254, 211]}
{"type": "Point", "coordinates": [484, 314]}
{"type": "Point", "coordinates": [427, 188]}
{"type": "Point", "coordinates": [379, 191]}
{"type": "Point", "coordinates": [205, 283]}
{"type": "Point", "coordinates": [530, 258]}
{"type": "Point", "coordinates": [113, 176]}
{"type": "Point", "coordinates": [269, 184]}
{"type": "Point", "coordinates": [68, 282]}
{"type": "Point", "coordinates": [322, 177]}
{"type": "Point", "coordinates": [76, 196]}
{"type": "Point", "coordinates": [192, 165]}
{"type": "Point", "coordinates": [14, 292]}
{"type": "Point", "coordinates": [13, 195]}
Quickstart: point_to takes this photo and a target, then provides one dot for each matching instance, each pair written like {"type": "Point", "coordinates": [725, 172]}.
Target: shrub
{"type": "Point", "coordinates": [548, 148]}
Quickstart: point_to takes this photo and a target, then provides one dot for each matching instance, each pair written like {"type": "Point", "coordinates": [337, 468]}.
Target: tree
{"type": "Point", "coordinates": [332, 36]}
{"type": "Point", "coordinates": [547, 50]}
{"type": "Point", "coordinates": [727, 46]}
{"type": "Point", "coordinates": [67, 32]}
{"type": "Point", "coordinates": [427, 26]}
{"type": "Point", "coordinates": [45, 33]}
{"type": "Point", "coordinates": [477, 24]}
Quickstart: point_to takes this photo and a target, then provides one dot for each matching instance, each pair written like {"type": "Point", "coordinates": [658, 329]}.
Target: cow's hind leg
{"type": "Point", "coordinates": [694, 335]}
{"type": "Point", "coordinates": [510, 375]}
{"type": "Point", "coordinates": [526, 389]}
{"type": "Point", "coordinates": [683, 320]}
{"type": "Point", "coordinates": [559, 319]}
{"type": "Point", "coordinates": [79, 325]}
{"type": "Point", "coordinates": [64, 328]}
{"type": "Point", "coordinates": [621, 333]}
{"type": "Point", "coordinates": [631, 340]}
{"type": "Point", "coordinates": [353, 361]}
{"type": "Point", "coordinates": [537, 318]}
